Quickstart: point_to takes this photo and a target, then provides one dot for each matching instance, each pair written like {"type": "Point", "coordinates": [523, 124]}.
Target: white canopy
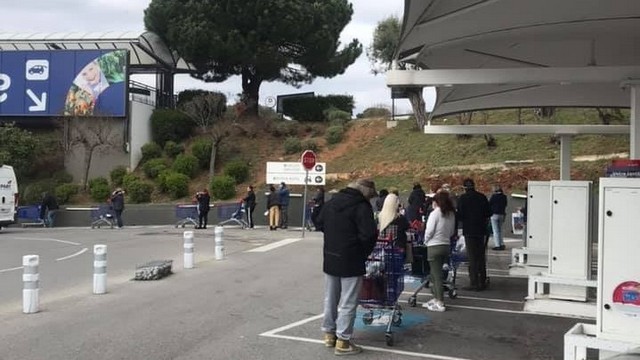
{"type": "Point", "coordinates": [527, 34]}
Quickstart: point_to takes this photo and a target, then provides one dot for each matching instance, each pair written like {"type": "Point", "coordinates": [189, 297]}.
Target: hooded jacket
{"type": "Point", "coordinates": [349, 233]}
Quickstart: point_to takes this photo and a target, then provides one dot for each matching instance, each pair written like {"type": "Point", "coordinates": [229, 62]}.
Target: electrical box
{"type": "Point", "coordinates": [618, 316]}
{"type": "Point", "coordinates": [570, 246]}
{"type": "Point", "coordinates": [538, 206]}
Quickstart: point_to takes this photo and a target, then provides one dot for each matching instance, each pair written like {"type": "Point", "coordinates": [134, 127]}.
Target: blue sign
{"type": "Point", "coordinates": [63, 83]}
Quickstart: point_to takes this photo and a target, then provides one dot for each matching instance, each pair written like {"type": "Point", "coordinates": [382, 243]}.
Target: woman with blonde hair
{"type": "Point", "coordinates": [392, 222]}
{"type": "Point", "coordinates": [441, 226]}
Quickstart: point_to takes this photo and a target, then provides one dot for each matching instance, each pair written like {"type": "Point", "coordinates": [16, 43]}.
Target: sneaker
{"type": "Point", "coordinates": [346, 347]}
{"type": "Point", "coordinates": [436, 306]}
{"type": "Point", "coordinates": [330, 340]}
{"type": "Point", "coordinates": [428, 303]}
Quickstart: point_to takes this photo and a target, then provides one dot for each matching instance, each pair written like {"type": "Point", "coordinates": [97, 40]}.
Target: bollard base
{"type": "Point", "coordinates": [99, 284]}
{"type": "Point", "coordinates": [189, 262]}
{"type": "Point", "coordinates": [30, 301]}
{"type": "Point", "coordinates": [154, 270]}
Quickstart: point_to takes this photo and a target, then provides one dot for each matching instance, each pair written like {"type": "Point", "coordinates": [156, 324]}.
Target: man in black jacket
{"type": "Point", "coordinates": [498, 204]}
{"type": "Point", "coordinates": [349, 237]}
{"type": "Point", "coordinates": [474, 212]}
{"type": "Point", "coordinates": [48, 209]}
{"type": "Point", "coordinates": [250, 205]}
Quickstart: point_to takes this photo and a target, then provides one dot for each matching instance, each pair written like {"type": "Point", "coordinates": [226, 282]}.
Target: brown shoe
{"type": "Point", "coordinates": [330, 340]}
{"type": "Point", "coordinates": [346, 347]}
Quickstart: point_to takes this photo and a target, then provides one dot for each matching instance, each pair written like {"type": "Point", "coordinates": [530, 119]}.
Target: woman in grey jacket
{"type": "Point", "coordinates": [441, 226]}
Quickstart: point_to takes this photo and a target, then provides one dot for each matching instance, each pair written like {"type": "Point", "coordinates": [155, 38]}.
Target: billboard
{"type": "Point", "coordinates": [63, 83]}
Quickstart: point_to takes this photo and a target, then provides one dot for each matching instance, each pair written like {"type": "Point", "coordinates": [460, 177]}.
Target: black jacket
{"type": "Point", "coordinates": [473, 211]}
{"type": "Point", "coordinates": [250, 200]}
{"type": "Point", "coordinates": [417, 201]}
{"type": "Point", "coordinates": [117, 201]}
{"type": "Point", "coordinates": [48, 203]}
{"type": "Point", "coordinates": [349, 233]}
{"type": "Point", "coordinates": [203, 202]}
{"type": "Point", "coordinates": [498, 203]}
{"type": "Point", "coordinates": [273, 199]}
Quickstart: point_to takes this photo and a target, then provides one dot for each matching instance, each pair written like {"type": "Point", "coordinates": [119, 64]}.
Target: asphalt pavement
{"type": "Point", "coordinates": [262, 302]}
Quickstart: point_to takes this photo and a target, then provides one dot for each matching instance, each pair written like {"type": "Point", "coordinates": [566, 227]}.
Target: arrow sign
{"type": "Point", "coordinates": [40, 103]}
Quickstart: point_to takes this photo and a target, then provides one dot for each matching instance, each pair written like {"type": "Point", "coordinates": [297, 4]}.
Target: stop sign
{"type": "Point", "coordinates": [308, 160]}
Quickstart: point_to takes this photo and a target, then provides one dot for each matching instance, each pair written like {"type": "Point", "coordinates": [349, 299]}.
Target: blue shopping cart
{"type": "Point", "coordinates": [232, 213]}
{"type": "Point", "coordinates": [102, 215]}
{"type": "Point", "coordinates": [186, 214]}
{"type": "Point", "coordinates": [29, 215]}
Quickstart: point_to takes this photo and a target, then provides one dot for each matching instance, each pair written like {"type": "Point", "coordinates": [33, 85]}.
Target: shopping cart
{"type": "Point", "coordinates": [29, 215]}
{"type": "Point", "coordinates": [383, 284]}
{"type": "Point", "coordinates": [102, 215]}
{"type": "Point", "coordinates": [233, 213]}
{"type": "Point", "coordinates": [420, 267]}
{"type": "Point", "coordinates": [186, 214]}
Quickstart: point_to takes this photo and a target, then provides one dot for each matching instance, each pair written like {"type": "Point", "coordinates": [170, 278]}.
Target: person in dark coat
{"type": "Point", "coordinates": [498, 204]}
{"type": "Point", "coordinates": [273, 207]}
{"type": "Point", "coordinates": [417, 200]}
{"type": "Point", "coordinates": [350, 235]}
{"type": "Point", "coordinates": [117, 204]}
{"type": "Point", "coordinates": [250, 205]}
{"type": "Point", "coordinates": [204, 203]}
{"type": "Point", "coordinates": [318, 203]}
{"type": "Point", "coordinates": [285, 196]}
{"type": "Point", "coordinates": [474, 213]}
{"type": "Point", "coordinates": [380, 200]}
{"type": "Point", "coordinates": [48, 209]}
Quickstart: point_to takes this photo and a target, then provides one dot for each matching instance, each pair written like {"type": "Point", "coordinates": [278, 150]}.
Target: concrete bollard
{"type": "Point", "coordinates": [219, 243]}
{"type": "Point", "coordinates": [188, 250]}
{"type": "Point", "coordinates": [30, 284]}
{"type": "Point", "coordinates": [99, 269]}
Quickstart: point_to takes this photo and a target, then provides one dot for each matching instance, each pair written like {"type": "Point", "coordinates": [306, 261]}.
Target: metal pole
{"type": "Point", "coordinates": [219, 243]}
{"type": "Point", "coordinates": [188, 249]}
{"type": "Point", "coordinates": [30, 284]}
{"type": "Point", "coordinates": [304, 202]}
{"type": "Point", "coordinates": [99, 269]}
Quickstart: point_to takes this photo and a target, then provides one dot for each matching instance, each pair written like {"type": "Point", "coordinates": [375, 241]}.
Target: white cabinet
{"type": "Point", "coordinates": [538, 234]}
{"type": "Point", "coordinates": [618, 315]}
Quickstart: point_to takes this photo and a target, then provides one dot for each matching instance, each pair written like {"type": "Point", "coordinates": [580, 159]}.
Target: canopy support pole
{"type": "Point", "coordinates": [565, 157]}
{"type": "Point", "coordinates": [634, 121]}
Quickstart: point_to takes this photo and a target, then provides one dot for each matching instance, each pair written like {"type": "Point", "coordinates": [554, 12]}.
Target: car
{"type": "Point", "coordinates": [37, 69]}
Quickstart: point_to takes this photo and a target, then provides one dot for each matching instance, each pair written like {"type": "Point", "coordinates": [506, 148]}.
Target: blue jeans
{"type": "Point", "coordinates": [340, 302]}
{"type": "Point", "coordinates": [50, 218]}
{"type": "Point", "coordinates": [496, 225]}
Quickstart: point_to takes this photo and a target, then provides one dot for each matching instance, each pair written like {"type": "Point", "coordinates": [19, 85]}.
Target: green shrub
{"type": "Point", "coordinates": [284, 128]}
{"type": "Point", "coordinates": [292, 145]}
{"type": "Point", "coordinates": [153, 167]}
{"type": "Point", "coordinates": [237, 169]}
{"type": "Point", "coordinates": [223, 187]}
{"type": "Point", "coordinates": [186, 164]}
{"type": "Point", "coordinates": [171, 149]}
{"type": "Point", "coordinates": [32, 193]}
{"type": "Point", "coordinates": [333, 115]}
{"type": "Point", "coordinates": [168, 124]}
{"type": "Point", "coordinates": [201, 149]}
{"type": "Point", "coordinates": [100, 192]}
{"type": "Point", "coordinates": [176, 185]}
{"type": "Point", "coordinates": [334, 134]}
{"type": "Point", "coordinates": [117, 174]}
{"type": "Point", "coordinates": [313, 108]}
{"type": "Point", "coordinates": [376, 112]}
{"type": "Point", "coordinates": [129, 179]}
{"type": "Point", "coordinates": [139, 192]}
{"type": "Point", "coordinates": [310, 145]}
{"type": "Point", "coordinates": [150, 151]}
{"type": "Point", "coordinates": [220, 102]}
{"type": "Point", "coordinates": [64, 192]}
{"type": "Point", "coordinates": [161, 180]}
{"type": "Point", "coordinates": [62, 177]}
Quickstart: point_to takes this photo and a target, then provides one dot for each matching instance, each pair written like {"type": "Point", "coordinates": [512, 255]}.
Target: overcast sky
{"type": "Point", "coordinates": [50, 16]}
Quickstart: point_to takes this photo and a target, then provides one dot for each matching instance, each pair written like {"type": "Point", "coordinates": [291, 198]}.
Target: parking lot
{"type": "Point", "coordinates": [262, 302]}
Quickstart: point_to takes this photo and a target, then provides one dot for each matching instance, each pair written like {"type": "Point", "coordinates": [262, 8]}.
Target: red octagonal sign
{"type": "Point", "coordinates": [308, 160]}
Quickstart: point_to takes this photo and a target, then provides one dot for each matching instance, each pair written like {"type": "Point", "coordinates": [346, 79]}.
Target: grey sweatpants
{"type": "Point", "coordinates": [340, 303]}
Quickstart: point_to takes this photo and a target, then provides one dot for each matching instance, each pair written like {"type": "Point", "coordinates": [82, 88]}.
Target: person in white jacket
{"type": "Point", "coordinates": [440, 228]}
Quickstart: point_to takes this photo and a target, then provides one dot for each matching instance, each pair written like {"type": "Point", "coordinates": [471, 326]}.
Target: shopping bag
{"type": "Point", "coordinates": [373, 288]}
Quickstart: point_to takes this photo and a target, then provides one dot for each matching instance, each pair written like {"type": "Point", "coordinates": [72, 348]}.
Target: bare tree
{"type": "Point", "coordinates": [464, 119]}
{"type": "Point", "coordinates": [206, 111]}
{"type": "Point", "coordinates": [609, 115]}
{"type": "Point", "coordinates": [96, 135]}
{"type": "Point", "coordinates": [488, 138]}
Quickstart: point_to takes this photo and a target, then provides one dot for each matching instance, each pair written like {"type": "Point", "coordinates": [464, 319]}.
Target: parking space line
{"type": "Point", "coordinates": [11, 269]}
{"type": "Point", "coordinates": [470, 298]}
{"type": "Point", "coordinates": [48, 239]}
{"type": "Point", "coordinates": [73, 255]}
{"type": "Point", "coordinates": [274, 245]}
{"type": "Point", "coordinates": [292, 325]}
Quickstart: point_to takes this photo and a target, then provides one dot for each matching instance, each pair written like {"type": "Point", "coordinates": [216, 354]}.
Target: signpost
{"type": "Point", "coordinates": [308, 161]}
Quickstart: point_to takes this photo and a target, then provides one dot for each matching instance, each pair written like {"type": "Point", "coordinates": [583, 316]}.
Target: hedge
{"type": "Point", "coordinates": [150, 150]}
{"type": "Point", "coordinates": [176, 185]}
{"type": "Point", "coordinates": [139, 192]}
{"type": "Point", "coordinates": [186, 164]}
{"type": "Point", "coordinates": [238, 170]}
{"type": "Point", "coordinates": [223, 187]}
{"type": "Point", "coordinates": [201, 149]}
{"type": "Point", "coordinates": [313, 108]}
{"type": "Point", "coordinates": [117, 174]}
{"type": "Point", "coordinates": [170, 125]}
{"type": "Point", "coordinates": [154, 167]}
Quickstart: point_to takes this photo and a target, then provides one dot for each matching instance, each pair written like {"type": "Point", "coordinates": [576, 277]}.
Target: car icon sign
{"type": "Point", "coordinates": [37, 69]}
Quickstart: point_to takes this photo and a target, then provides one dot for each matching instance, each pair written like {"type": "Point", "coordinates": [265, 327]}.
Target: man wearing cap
{"type": "Point", "coordinates": [474, 212]}
{"type": "Point", "coordinates": [349, 237]}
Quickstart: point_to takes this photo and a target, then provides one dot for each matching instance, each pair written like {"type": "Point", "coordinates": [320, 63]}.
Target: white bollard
{"type": "Point", "coordinates": [188, 249]}
{"type": "Point", "coordinates": [30, 284]}
{"type": "Point", "coordinates": [219, 243]}
{"type": "Point", "coordinates": [99, 269]}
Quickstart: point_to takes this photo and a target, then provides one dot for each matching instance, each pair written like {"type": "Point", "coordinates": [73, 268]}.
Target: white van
{"type": "Point", "coordinates": [8, 196]}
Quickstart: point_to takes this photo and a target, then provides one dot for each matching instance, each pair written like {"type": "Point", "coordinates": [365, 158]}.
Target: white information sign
{"type": "Point", "coordinates": [292, 173]}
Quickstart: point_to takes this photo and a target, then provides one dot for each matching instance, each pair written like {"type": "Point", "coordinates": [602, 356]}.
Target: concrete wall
{"type": "Point", "coordinates": [140, 130]}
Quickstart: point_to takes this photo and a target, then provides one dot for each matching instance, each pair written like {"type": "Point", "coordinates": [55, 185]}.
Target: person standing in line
{"type": "Point", "coordinates": [417, 203]}
{"type": "Point", "coordinates": [204, 201]}
{"type": "Point", "coordinates": [474, 212]}
{"type": "Point", "coordinates": [349, 237]}
{"type": "Point", "coordinates": [48, 209]}
{"type": "Point", "coordinates": [498, 204]}
{"type": "Point", "coordinates": [382, 194]}
{"type": "Point", "coordinates": [117, 204]}
{"type": "Point", "coordinates": [250, 205]}
{"type": "Point", "coordinates": [441, 226]}
{"type": "Point", "coordinates": [273, 206]}
{"type": "Point", "coordinates": [318, 203]}
{"type": "Point", "coordinates": [284, 194]}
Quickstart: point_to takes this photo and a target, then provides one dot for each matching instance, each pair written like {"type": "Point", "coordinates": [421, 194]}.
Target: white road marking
{"type": "Point", "coordinates": [274, 334]}
{"type": "Point", "coordinates": [48, 239]}
{"type": "Point", "coordinates": [512, 240]}
{"type": "Point", "coordinates": [73, 255]}
{"type": "Point", "coordinates": [470, 298]}
{"type": "Point", "coordinates": [11, 269]}
{"type": "Point", "coordinates": [274, 245]}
